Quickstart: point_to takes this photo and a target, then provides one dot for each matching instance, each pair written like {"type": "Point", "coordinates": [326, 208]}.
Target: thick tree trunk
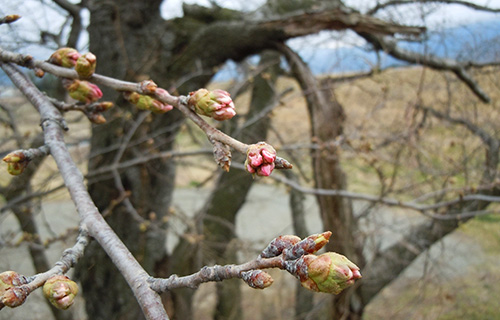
{"type": "Point", "coordinates": [127, 39]}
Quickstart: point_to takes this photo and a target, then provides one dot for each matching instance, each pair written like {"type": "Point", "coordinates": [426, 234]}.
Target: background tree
{"type": "Point", "coordinates": [182, 55]}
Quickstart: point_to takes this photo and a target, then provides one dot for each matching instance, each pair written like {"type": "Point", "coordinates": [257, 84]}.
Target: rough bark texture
{"type": "Point", "coordinates": [327, 120]}
{"type": "Point", "coordinates": [129, 39]}
{"type": "Point", "coordinates": [132, 42]}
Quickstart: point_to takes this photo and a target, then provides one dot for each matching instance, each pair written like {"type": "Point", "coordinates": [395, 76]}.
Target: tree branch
{"type": "Point", "coordinates": [381, 6]}
{"type": "Point", "coordinates": [90, 218]}
{"type": "Point", "coordinates": [390, 47]}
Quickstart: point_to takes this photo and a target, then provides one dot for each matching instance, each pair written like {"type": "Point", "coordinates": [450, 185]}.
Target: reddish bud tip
{"type": "Point", "coordinates": [260, 159]}
{"type": "Point", "coordinates": [83, 91]}
{"type": "Point", "coordinates": [16, 162]}
{"type": "Point", "coordinates": [277, 245]}
{"type": "Point", "coordinates": [257, 279]}
{"type": "Point", "coordinates": [65, 57]}
{"type": "Point", "coordinates": [309, 245]}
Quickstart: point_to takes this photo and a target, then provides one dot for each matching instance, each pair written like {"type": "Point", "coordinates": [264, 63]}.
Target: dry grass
{"type": "Point", "coordinates": [426, 155]}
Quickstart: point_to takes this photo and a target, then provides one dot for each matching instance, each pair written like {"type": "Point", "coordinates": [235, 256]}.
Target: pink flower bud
{"type": "Point", "coordinates": [65, 57]}
{"type": "Point", "coordinates": [60, 291]}
{"type": "Point", "coordinates": [257, 279]}
{"type": "Point", "coordinates": [309, 245]}
{"type": "Point", "coordinates": [330, 272]}
{"type": "Point", "coordinates": [277, 245]}
{"type": "Point", "coordinates": [16, 162]}
{"type": "Point", "coordinates": [83, 91]}
{"type": "Point", "coordinates": [85, 65]}
{"type": "Point", "coordinates": [216, 104]}
{"type": "Point", "coordinates": [260, 159]}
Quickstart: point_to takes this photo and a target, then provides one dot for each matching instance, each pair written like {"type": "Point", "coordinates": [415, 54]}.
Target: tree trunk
{"type": "Point", "coordinates": [126, 36]}
{"type": "Point", "coordinates": [327, 120]}
{"type": "Point", "coordinates": [231, 192]}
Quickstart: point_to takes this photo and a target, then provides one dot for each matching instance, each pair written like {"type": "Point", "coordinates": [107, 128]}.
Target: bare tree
{"type": "Point", "coordinates": [182, 55]}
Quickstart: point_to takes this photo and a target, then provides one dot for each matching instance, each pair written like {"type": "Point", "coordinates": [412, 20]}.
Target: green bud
{"type": "Point", "coordinates": [60, 291]}
{"type": "Point", "coordinates": [85, 65]}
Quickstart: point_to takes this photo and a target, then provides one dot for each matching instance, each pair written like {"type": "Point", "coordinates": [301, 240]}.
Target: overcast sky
{"type": "Point", "coordinates": [38, 17]}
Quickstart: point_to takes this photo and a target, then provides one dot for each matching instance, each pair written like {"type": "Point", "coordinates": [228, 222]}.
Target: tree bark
{"type": "Point", "coordinates": [327, 120]}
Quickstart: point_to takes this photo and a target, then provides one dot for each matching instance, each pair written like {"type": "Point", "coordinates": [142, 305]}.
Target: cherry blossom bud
{"type": "Point", "coordinates": [65, 57]}
{"type": "Point", "coordinates": [85, 65]}
{"type": "Point", "coordinates": [83, 91]}
{"type": "Point", "coordinates": [277, 245]}
{"type": "Point", "coordinates": [216, 104]}
{"type": "Point", "coordinates": [103, 106]}
{"type": "Point", "coordinates": [60, 291]}
{"type": "Point", "coordinates": [257, 279]}
{"type": "Point", "coordinates": [14, 297]}
{"type": "Point", "coordinates": [39, 72]}
{"type": "Point", "coordinates": [309, 245]}
{"type": "Point", "coordinates": [260, 159]}
{"type": "Point", "coordinates": [16, 162]}
{"type": "Point", "coordinates": [9, 279]}
{"type": "Point", "coordinates": [96, 118]}
{"type": "Point", "coordinates": [144, 102]}
{"type": "Point", "coordinates": [330, 272]}
{"type": "Point", "coordinates": [10, 18]}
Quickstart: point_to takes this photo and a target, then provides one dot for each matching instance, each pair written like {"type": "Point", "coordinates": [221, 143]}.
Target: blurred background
{"type": "Point", "coordinates": [392, 130]}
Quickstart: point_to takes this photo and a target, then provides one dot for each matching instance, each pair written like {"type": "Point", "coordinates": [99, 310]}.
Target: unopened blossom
{"type": "Point", "coordinates": [14, 297]}
{"type": "Point", "coordinates": [278, 244]}
{"type": "Point", "coordinates": [216, 104]}
{"type": "Point", "coordinates": [16, 161]}
{"type": "Point", "coordinates": [330, 272]}
{"type": "Point", "coordinates": [145, 102]}
{"type": "Point", "coordinates": [60, 291]}
{"type": "Point", "coordinates": [65, 57]}
{"type": "Point", "coordinates": [83, 91]}
{"type": "Point", "coordinates": [9, 279]}
{"type": "Point", "coordinates": [257, 279]}
{"type": "Point", "coordinates": [85, 65]}
{"type": "Point", "coordinates": [260, 159]}
{"type": "Point", "coordinates": [309, 245]}
{"type": "Point", "coordinates": [103, 106]}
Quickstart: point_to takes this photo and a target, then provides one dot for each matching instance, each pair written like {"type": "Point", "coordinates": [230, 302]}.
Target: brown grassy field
{"type": "Point", "coordinates": [388, 142]}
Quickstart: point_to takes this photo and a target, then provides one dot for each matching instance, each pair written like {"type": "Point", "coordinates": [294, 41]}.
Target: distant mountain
{"type": "Point", "coordinates": [479, 42]}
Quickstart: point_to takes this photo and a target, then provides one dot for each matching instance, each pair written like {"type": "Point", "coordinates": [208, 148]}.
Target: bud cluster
{"type": "Point", "coordinates": [260, 159]}
{"type": "Point", "coordinates": [84, 65]}
{"type": "Point", "coordinates": [11, 294]}
{"type": "Point", "coordinates": [329, 272]}
{"type": "Point", "coordinates": [216, 104]}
